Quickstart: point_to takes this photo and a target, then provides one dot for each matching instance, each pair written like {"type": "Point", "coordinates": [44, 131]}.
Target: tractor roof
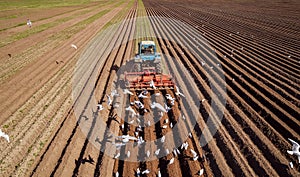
{"type": "Point", "coordinates": [147, 43]}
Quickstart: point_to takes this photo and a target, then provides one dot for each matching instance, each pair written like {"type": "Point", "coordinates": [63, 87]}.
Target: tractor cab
{"type": "Point", "coordinates": [147, 50]}
{"type": "Point", "coordinates": [147, 58]}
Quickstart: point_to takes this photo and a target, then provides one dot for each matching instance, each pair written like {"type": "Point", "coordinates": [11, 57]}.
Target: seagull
{"type": "Point", "coordinates": [158, 173]}
{"type": "Point", "coordinates": [117, 156]}
{"type": "Point", "coordinates": [138, 172]}
{"type": "Point", "coordinates": [178, 92]}
{"type": "Point", "coordinates": [183, 117]}
{"type": "Point", "coordinates": [203, 100]}
{"type": "Point", "coordinates": [152, 84]}
{"type": "Point", "coordinates": [146, 171]}
{"type": "Point", "coordinates": [4, 135]}
{"type": "Point", "coordinates": [129, 108]}
{"type": "Point", "coordinates": [139, 104]}
{"type": "Point", "coordinates": [202, 63]}
{"type": "Point", "coordinates": [295, 149]}
{"type": "Point", "coordinates": [109, 100]}
{"type": "Point", "coordinates": [157, 105]}
{"type": "Point", "coordinates": [171, 125]}
{"type": "Point", "coordinates": [190, 135]}
{"type": "Point", "coordinates": [171, 161]}
{"type": "Point", "coordinates": [169, 97]}
{"type": "Point", "coordinates": [165, 126]}
{"type": "Point", "coordinates": [162, 139]}
{"type": "Point", "coordinates": [167, 151]}
{"type": "Point", "coordinates": [126, 138]}
{"type": "Point", "coordinates": [157, 152]}
{"type": "Point", "coordinates": [167, 108]}
{"type": "Point", "coordinates": [74, 46]}
{"type": "Point", "coordinates": [126, 91]}
{"type": "Point", "coordinates": [131, 122]}
{"type": "Point", "coordinates": [100, 107]}
{"type": "Point", "coordinates": [178, 152]}
{"type": "Point", "coordinates": [128, 154]}
{"type": "Point", "coordinates": [114, 93]}
{"type": "Point", "coordinates": [201, 172]}
{"type": "Point", "coordinates": [141, 95]}
{"type": "Point", "coordinates": [148, 153]}
{"type": "Point", "coordinates": [140, 140]}
{"type": "Point", "coordinates": [194, 153]}
{"type": "Point", "coordinates": [175, 152]}
{"type": "Point", "coordinates": [117, 174]}
{"type": "Point", "coordinates": [149, 123]}
{"type": "Point", "coordinates": [166, 121]}
{"type": "Point", "coordinates": [291, 164]}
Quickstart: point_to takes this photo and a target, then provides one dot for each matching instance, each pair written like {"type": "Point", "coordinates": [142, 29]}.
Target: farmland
{"type": "Point", "coordinates": [236, 62]}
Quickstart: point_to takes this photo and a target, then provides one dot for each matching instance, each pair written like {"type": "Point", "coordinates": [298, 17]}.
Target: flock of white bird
{"type": "Point", "coordinates": [134, 108]}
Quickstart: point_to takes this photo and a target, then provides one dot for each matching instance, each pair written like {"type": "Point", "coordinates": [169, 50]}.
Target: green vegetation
{"type": "Point", "coordinates": [18, 4]}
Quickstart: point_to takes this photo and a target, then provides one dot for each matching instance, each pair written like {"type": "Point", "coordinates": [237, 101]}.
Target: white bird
{"type": "Point", "coordinates": [74, 46]}
{"type": "Point", "coordinates": [139, 104]}
{"type": "Point", "coordinates": [100, 107]}
{"type": "Point", "coordinates": [131, 122]}
{"type": "Point", "coordinates": [201, 172]}
{"type": "Point", "coordinates": [164, 126]}
{"type": "Point", "coordinates": [171, 161]}
{"type": "Point", "coordinates": [157, 152]}
{"type": "Point", "coordinates": [4, 135]}
{"type": "Point", "coordinates": [126, 138]}
{"type": "Point", "coordinates": [183, 117]}
{"type": "Point", "coordinates": [167, 108]}
{"type": "Point", "coordinates": [149, 123]}
{"type": "Point", "coordinates": [117, 156]}
{"type": "Point", "coordinates": [171, 125]}
{"type": "Point", "coordinates": [128, 154]}
{"type": "Point", "coordinates": [167, 151]}
{"type": "Point", "coordinates": [178, 92]}
{"type": "Point", "coordinates": [152, 84]}
{"type": "Point", "coordinates": [203, 100]}
{"type": "Point", "coordinates": [140, 140]}
{"type": "Point", "coordinates": [162, 139]}
{"type": "Point", "coordinates": [178, 152]}
{"type": "Point", "coordinates": [169, 97]}
{"type": "Point", "coordinates": [175, 152]}
{"type": "Point", "coordinates": [195, 158]}
{"type": "Point", "coordinates": [190, 135]}
{"type": "Point", "coordinates": [194, 153]}
{"type": "Point", "coordinates": [109, 100]}
{"type": "Point", "coordinates": [126, 91]}
{"type": "Point", "coordinates": [148, 153]}
{"type": "Point", "coordinates": [118, 145]}
{"type": "Point", "coordinates": [146, 171]}
{"type": "Point", "coordinates": [157, 105]}
{"type": "Point", "coordinates": [166, 121]}
{"type": "Point", "coordinates": [141, 95]}
{"type": "Point", "coordinates": [114, 93]}
{"type": "Point", "coordinates": [138, 172]}
{"type": "Point", "coordinates": [130, 109]}
{"type": "Point", "coordinates": [117, 174]}
{"type": "Point", "coordinates": [295, 149]}
{"type": "Point", "coordinates": [158, 173]}
{"type": "Point", "coordinates": [291, 164]}
{"type": "Point", "coordinates": [157, 94]}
